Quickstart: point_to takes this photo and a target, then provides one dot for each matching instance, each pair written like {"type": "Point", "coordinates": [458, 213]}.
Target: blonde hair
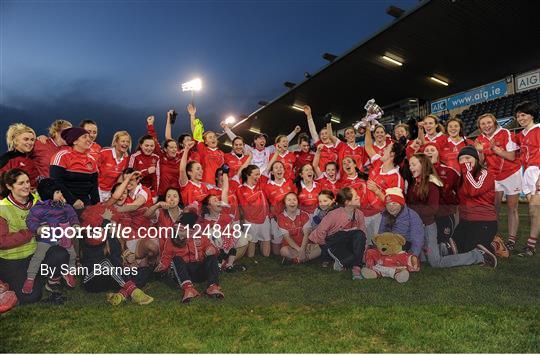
{"type": "Point", "coordinates": [404, 126]}
{"type": "Point", "coordinates": [490, 115]}
{"type": "Point", "coordinates": [14, 131]}
{"type": "Point", "coordinates": [57, 127]}
{"type": "Point", "coordinates": [278, 138]}
{"type": "Point", "coordinates": [117, 136]}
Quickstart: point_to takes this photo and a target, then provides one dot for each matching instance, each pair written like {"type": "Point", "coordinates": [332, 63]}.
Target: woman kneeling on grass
{"type": "Point", "coordinates": [294, 225]}
{"type": "Point", "coordinates": [342, 233]}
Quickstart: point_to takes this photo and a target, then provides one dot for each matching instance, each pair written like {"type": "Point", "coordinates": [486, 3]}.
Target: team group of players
{"type": "Point", "coordinates": [281, 197]}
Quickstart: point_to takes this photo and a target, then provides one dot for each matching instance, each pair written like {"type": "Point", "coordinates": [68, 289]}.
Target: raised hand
{"type": "Point", "coordinates": [191, 110]}
{"type": "Point", "coordinates": [307, 110]}
{"type": "Point", "coordinates": [150, 120]}
{"type": "Point", "coordinates": [297, 129]}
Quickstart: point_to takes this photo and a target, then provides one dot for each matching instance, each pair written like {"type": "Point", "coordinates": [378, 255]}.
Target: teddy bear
{"type": "Point", "coordinates": [389, 259]}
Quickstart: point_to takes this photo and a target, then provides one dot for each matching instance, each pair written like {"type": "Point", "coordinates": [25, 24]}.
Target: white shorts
{"type": "Point", "coordinates": [511, 185]}
{"type": "Point", "coordinates": [372, 226]}
{"type": "Point", "coordinates": [104, 195]}
{"type": "Point", "coordinates": [530, 177]}
{"type": "Point", "coordinates": [277, 237]}
{"type": "Point", "coordinates": [260, 232]}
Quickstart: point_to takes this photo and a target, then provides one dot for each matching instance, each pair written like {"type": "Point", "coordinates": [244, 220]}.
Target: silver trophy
{"type": "Point", "coordinates": [373, 113]}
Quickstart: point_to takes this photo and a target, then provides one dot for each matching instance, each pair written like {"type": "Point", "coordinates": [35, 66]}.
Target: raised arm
{"type": "Point", "coordinates": [183, 163]}
{"type": "Point", "coordinates": [119, 191]}
{"type": "Point", "coordinates": [197, 127]}
{"type": "Point", "coordinates": [311, 124]}
{"type": "Point", "coordinates": [247, 152]}
{"type": "Point", "coordinates": [291, 135]}
{"type": "Point", "coordinates": [168, 126]}
{"type": "Point", "coordinates": [316, 160]}
{"type": "Point", "coordinates": [225, 189]}
{"type": "Point", "coordinates": [368, 142]}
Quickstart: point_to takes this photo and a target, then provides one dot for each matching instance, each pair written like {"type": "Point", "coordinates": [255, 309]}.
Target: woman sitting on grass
{"type": "Point", "coordinates": [293, 225]}
{"type": "Point", "coordinates": [342, 233]}
{"type": "Point", "coordinates": [17, 242]}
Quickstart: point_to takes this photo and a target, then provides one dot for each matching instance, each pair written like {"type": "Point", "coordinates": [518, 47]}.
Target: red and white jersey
{"type": "Point", "coordinates": [302, 158]}
{"type": "Point", "coordinates": [448, 152]}
{"type": "Point", "coordinates": [476, 195]}
{"type": "Point", "coordinates": [327, 184]}
{"type": "Point", "coordinates": [295, 226]}
{"type": "Point", "coordinates": [384, 180]}
{"type": "Point", "coordinates": [110, 167]}
{"type": "Point", "coordinates": [253, 202]}
{"type": "Point", "coordinates": [42, 154]}
{"type": "Point", "coordinates": [439, 140]}
{"type": "Point", "coordinates": [288, 159]}
{"type": "Point", "coordinates": [15, 159]}
{"type": "Point", "coordinates": [211, 160]}
{"type": "Point", "coordinates": [308, 198]}
{"type": "Point", "coordinates": [169, 173]}
{"type": "Point", "coordinates": [329, 153]}
{"type": "Point", "coordinates": [498, 166]}
{"type": "Point", "coordinates": [94, 150]}
{"type": "Point", "coordinates": [234, 162]}
{"type": "Point", "coordinates": [529, 143]}
{"type": "Point", "coordinates": [74, 161]}
{"type": "Point", "coordinates": [275, 193]}
{"type": "Point", "coordinates": [140, 190]}
{"type": "Point", "coordinates": [358, 154]}
{"type": "Point", "coordinates": [193, 193]}
{"type": "Point", "coordinates": [141, 162]}
{"type": "Point", "coordinates": [358, 184]}
{"type": "Point", "coordinates": [448, 199]}
{"type": "Point", "coordinates": [379, 149]}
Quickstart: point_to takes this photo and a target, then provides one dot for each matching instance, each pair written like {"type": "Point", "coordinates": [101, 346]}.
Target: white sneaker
{"type": "Point", "coordinates": [338, 266]}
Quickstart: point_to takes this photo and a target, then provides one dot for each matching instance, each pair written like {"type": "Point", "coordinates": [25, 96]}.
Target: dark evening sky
{"type": "Point", "coordinates": [118, 61]}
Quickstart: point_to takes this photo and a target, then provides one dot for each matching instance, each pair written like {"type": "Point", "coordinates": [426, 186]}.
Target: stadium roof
{"type": "Point", "coordinates": [466, 43]}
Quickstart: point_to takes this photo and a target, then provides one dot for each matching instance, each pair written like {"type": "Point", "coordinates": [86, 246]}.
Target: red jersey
{"type": "Point", "coordinates": [358, 154]}
{"type": "Point", "coordinates": [224, 219]}
{"type": "Point", "coordinates": [476, 196]}
{"type": "Point", "coordinates": [439, 140]}
{"type": "Point", "coordinates": [294, 226]}
{"type": "Point", "coordinates": [379, 149]}
{"type": "Point", "coordinates": [110, 168]}
{"type": "Point", "coordinates": [168, 167]}
{"type": "Point", "coordinates": [529, 142]}
{"type": "Point", "coordinates": [253, 203]}
{"type": "Point", "coordinates": [193, 251]}
{"type": "Point", "coordinates": [308, 199]}
{"type": "Point", "coordinates": [275, 193]}
{"type": "Point", "coordinates": [329, 153]}
{"type": "Point", "coordinates": [140, 190]}
{"type": "Point", "coordinates": [358, 184]}
{"type": "Point", "coordinates": [94, 150]}
{"type": "Point", "coordinates": [448, 199]}
{"type": "Point", "coordinates": [193, 155]}
{"type": "Point", "coordinates": [211, 160]}
{"type": "Point", "coordinates": [498, 166]}
{"type": "Point", "coordinates": [302, 158]}
{"type": "Point", "coordinates": [77, 175]}
{"type": "Point", "coordinates": [42, 154]}
{"type": "Point", "coordinates": [326, 184]}
{"type": "Point", "coordinates": [193, 193]}
{"type": "Point", "coordinates": [448, 153]}
{"type": "Point", "coordinates": [15, 159]}
{"type": "Point", "coordinates": [141, 162]}
{"type": "Point", "coordinates": [384, 181]}
{"type": "Point", "coordinates": [234, 162]}
{"type": "Point", "coordinates": [289, 160]}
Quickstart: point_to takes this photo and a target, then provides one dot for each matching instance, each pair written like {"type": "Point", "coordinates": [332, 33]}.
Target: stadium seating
{"type": "Point", "coordinates": [502, 107]}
